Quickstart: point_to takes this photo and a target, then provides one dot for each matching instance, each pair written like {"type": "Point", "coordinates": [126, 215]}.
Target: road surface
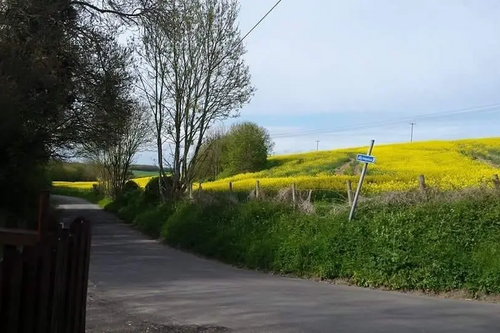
{"type": "Point", "coordinates": [151, 282]}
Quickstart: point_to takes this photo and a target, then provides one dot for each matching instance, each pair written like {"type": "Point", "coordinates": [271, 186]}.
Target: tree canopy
{"type": "Point", "coordinates": [244, 148]}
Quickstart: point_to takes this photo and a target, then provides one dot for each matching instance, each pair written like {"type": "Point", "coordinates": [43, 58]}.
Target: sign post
{"type": "Point", "coordinates": [367, 159]}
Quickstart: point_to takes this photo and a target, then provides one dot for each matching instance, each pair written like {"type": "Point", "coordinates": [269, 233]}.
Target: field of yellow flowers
{"type": "Point", "coordinates": [445, 164]}
{"type": "Point", "coordinates": [88, 185]}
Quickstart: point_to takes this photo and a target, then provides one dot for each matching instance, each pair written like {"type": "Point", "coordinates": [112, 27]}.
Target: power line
{"type": "Point", "coordinates": [479, 109]}
{"type": "Point", "coordinates": [260, 21]}
{"type": "Point", "coordinates": [391, 122]}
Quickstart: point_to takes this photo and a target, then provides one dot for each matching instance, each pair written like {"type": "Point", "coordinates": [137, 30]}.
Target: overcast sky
{"type": "Point", "coordinates": [336, 65]}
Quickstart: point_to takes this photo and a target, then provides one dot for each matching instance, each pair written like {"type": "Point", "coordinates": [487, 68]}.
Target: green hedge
{"type": "Point", "coordinates": [436, 246]}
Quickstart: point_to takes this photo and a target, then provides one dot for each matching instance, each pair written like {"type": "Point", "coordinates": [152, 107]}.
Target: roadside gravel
{"type": "Point", "coordinates": [105, 316]}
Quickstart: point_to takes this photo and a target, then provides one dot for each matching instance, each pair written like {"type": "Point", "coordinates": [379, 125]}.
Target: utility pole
{"type": "Point", "coordinates": [317, 145]}
{"type": "Point", "coordinates": [411, 135]}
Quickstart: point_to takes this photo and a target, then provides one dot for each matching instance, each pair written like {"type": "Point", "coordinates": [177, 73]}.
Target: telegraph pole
{"type": "Point", "coordinates": [317, 145]}
{"type": "Point", "coordinates": [411, 135]}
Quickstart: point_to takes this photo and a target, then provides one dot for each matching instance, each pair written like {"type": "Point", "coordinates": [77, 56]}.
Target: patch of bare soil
{"type": "Point", "coordinates": [343, 168]}
{"type": "Point", "coordinates": [104, 316]}
{"type": "Point", "coordinates": [357, 169]}
{"type": "Point", "coordinates": [488, 162]}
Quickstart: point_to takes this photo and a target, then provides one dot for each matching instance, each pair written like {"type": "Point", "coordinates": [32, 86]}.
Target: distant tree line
{"type": "Point", "coordinates": [82, 172]}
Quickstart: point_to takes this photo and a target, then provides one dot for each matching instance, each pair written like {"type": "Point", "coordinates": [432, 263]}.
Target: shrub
{"type": "Point", "coordinates": [150, 221]}
{"type": "Point", "coordinates": [152, 189]}
{"type": "Point", "coordinates": [97, 189]}
{"type": "Point", "coordinates": [131, 186]}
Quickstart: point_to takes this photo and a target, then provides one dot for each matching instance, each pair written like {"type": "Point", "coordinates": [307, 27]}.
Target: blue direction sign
{"type": "Point", "coordinates": [365, 158]}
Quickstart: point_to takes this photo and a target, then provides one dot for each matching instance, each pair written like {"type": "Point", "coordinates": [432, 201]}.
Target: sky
{"type": "Point", "coordinates": [345, 72]}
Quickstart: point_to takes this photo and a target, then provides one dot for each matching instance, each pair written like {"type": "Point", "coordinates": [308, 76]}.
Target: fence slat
{"type": "Point", "coordinates": [14, 268]}
{"type": "Point", "coordinates": [87, 234]}
{"type": "Point", "coordinates": [1, 285]}
{"type": "Point", "coordinates": [44, 289]}
{"type": "Point", "coordinates": [29, 297]}
{"type": "Point", "coordinates": [58, 309]}
{"type": "Point", "coordinates": [79, 230]}
{"type": "Point", "coordinates": [72, 277]}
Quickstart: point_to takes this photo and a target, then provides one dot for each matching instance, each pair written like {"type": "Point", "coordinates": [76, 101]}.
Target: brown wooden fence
{"type": "Point", "coordinates": [43, 276]}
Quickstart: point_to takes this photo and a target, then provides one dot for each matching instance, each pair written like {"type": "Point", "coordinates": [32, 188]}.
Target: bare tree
{"type": "Point", "coordinates": [126, 10]}
{"type": "Point", "coordinates": [113, 162]}
{"type": "Point", "coordinates": [195, 75]}
{"type": "Point", "coordinates": [122, 123]}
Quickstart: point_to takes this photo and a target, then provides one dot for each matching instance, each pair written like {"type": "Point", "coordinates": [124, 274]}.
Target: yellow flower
{"type": "Point", "coordinates": [445, 164]}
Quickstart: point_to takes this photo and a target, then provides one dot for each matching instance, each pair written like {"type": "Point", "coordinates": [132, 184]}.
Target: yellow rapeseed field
{"type": "Point", "coordinates": [88, 185]}
{"type": "Point", "coordinates": [445, 164]}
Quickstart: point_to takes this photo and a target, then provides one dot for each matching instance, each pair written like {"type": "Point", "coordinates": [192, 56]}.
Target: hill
{"type": "Point", "coordinates": [445, 164]}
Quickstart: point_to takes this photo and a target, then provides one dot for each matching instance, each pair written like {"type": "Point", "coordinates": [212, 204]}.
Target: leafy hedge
{"type": "Point", "coordinates": [436, 246]}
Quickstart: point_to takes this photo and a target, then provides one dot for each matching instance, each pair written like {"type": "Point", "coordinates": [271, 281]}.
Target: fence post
{"type": "Point", "coordinates": [421, 182]}
{"type": "Point", "coordinates": [496, 182]}
{"type": "Point", "coordinates": [199, 187]}
{"type": "Point", "coordinates": [349, 192]}
{"type": "Point", "coordinates": [294, 196]}
{"type": "Point", "coordinates": [190, 190]}
{"type": "Point", "coordinates": [309, 195]}
{"type": "Point", "coordinates": [43, 214]}
{"type": "Point", "coordinates": [257, 189]}
{"type": "Point", "coordinates": [230, 187]}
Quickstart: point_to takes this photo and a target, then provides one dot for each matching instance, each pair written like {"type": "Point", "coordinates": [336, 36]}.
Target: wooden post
{"type": "Point", "coordinates": [43, 214]}
{"type": "Point", "coordinates": [294, 197]}
{"type": "Point", "coordinates": [349, 192]}
{"type": "Point", "coordinates": [421, 182]}
{"type": "Point", "coordinates": [199, 187]}
{"type": "Point", "coordinates": [309, 195]}
{"type": "Point", "coordinates": [496, 182]}
{"type": "Point", "coordinates": [190, 191]}
{"type": "Point", "coordinates": [257, 189]}
{"type": "Point", "coordinates": [230, 187]}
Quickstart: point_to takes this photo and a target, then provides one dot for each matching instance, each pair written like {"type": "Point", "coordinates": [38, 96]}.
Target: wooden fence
{"type": "Point", "coordinates": [43, 276]}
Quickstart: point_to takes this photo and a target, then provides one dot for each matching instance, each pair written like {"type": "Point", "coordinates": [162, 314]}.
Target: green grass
{"type": "Point", "coordinates": [88, 195]}
{"type": "Point", "coordinates": [141, 173]}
